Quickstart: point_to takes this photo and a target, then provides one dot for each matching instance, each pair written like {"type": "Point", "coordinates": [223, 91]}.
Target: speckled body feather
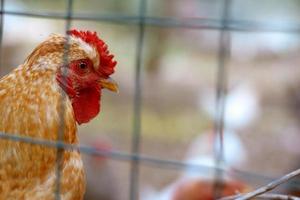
{"type": "Point", "coordinates": [30, 106]}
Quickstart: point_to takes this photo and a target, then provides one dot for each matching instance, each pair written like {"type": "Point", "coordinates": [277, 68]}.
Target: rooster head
{"type": "Point", "coordinates": [87, 74]}
{"type": "Point", "coordinates": [82, 65]}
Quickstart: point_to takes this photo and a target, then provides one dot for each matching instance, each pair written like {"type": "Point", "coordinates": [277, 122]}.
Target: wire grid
{"type": "Point", "coordinates": [225, 25]}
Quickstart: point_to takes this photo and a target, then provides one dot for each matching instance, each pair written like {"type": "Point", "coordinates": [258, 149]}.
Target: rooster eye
{"type": "Point", "coordinates": [82, 65]}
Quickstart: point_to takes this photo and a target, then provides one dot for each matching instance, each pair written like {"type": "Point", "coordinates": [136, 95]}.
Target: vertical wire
{"type": "Point", "coordinates": [221, 86]}
{"type": "Point", "coordinates": [136, 135]}
{"type": "Point", "coordinates": [1, 32]}
{"type": "Point", "coordinates": [60, 138]}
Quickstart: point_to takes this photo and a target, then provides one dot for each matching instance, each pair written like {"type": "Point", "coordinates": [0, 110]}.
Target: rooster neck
{"type": "Point", "coordinates": [31, 106]}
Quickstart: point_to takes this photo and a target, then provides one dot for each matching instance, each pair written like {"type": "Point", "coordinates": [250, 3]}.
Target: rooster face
{"type": "Point", "coordinates": [87, 72]}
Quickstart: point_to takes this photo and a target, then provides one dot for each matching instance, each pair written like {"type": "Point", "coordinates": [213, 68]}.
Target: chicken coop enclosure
{"type": "Point", "coordinates": [208, 90]}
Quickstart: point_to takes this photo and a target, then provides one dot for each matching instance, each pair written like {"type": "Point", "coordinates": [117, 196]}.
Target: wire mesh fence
{"type": "Point", "coordinates": [225, 25]}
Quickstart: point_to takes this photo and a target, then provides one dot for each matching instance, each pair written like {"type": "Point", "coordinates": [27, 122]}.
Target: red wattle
{"type": "Point", "coordinates": [86, 105]}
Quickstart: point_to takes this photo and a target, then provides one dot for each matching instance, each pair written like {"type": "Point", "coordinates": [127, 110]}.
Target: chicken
{"type": "Point", "coordinates": [30, 99]}
{"type": "Point", "coordinates": [200, 186]}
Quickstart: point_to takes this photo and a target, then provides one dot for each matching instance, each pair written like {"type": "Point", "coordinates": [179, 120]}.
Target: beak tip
{"type": "Point", "coordinates": [114, 89]}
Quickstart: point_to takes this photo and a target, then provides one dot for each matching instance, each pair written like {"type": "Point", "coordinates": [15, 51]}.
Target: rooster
{"type": "Point", "coordinates": [31, 97]}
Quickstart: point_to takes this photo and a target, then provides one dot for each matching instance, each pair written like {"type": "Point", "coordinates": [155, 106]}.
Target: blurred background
{"type": "Point", "coordinates": [180, 61]}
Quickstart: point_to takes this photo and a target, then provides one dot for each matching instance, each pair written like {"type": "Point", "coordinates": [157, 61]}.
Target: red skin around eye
{"type": "Point", "coordinates": [82, 87]}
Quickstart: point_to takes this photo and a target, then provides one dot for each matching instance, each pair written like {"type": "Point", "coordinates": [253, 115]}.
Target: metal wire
{"type": "Point", "coordinates": [129, 157]}
{"type": "Point", "coordinates": [190, 23]}
{"type": "Point", "coordinates": [136, 136]}
{"type": "Point", "coordinates": [61, 132]}
{"type": "Point", "coordinates": [224, 46]}
{"type": "Point", "coordinates": [144, 159]}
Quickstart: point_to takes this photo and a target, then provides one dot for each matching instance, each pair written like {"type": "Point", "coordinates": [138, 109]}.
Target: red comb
{"type": "Point", "coordinates": [107, 64]}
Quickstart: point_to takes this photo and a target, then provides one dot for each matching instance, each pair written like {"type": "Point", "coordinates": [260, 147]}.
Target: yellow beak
{"type": "Point", "coordinates": [109, 84]}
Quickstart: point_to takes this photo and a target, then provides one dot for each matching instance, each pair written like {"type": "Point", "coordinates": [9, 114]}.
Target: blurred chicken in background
{"type": "Point", "coordinates": [241, 108]}
{"type": "Point", "coordinates": [241, 105]}
{"type": "Point", "coordinates": [197, 184]}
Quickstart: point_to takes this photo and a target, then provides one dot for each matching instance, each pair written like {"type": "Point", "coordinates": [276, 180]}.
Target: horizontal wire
{"type": "Point", "coordinates": [122, 156]}
{"type": "Point", "coordinates": [191, 23]}
{"type": "Point", "coordinates": [144, 159]}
